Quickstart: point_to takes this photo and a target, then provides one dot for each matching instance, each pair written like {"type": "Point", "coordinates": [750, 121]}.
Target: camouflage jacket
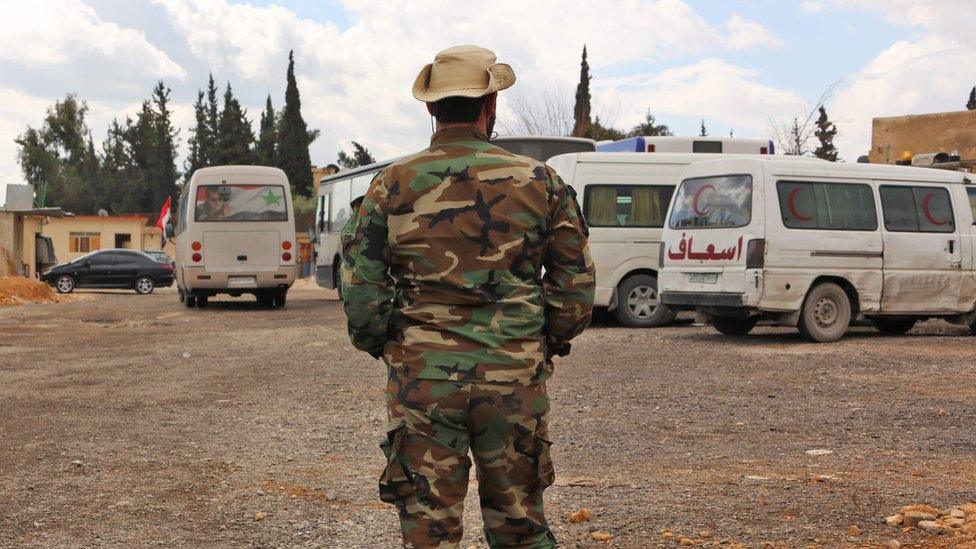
{"type": "Point", "coordinates": [467, 263]}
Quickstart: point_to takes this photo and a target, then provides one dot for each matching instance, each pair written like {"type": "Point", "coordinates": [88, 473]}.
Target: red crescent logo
{"type": "Point", "coordinates": [697, 197]}
{"type": "Point", "coordinates": [928, 215]}
{"type": "Point", "coordinates": [791, 204]}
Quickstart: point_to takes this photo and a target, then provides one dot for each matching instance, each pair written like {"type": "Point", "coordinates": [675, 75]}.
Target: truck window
{"type": "Point", "coordinates": [833, 206]}
{"type": "Point", "coordinates": [917, 209]}
{"type": "Point", "coordinates": [972, 201]}
{"type": "Point", "coordinates": [627, 205]}
{"type": "Point", "coordinates": [713, 203]}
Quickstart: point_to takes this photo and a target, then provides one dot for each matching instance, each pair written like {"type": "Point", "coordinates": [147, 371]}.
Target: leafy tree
{"type": "Point", "coordinates": [234, 133]}
{"type": "Point", "coordinates": [294, 137]}
{"type": "Point", "coordinates": [600, 132]}
{"type": "Point", "coordinates": [649, 127]}
{"type": "Point", "coordinates": [583, 126]}
{"type": "Point", "coordinates": [971, 104]}
{"type": "Point", "coordinates": [360, 157]}
{"type": "Point", "coordinates": [704, 131]}
{"type": "Point", "coordinates": [267, 136]}
{"type": "Point", "coordinates": [825, 132]}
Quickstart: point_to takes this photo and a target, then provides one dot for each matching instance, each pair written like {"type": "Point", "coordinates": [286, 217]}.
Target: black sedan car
{"type": "Point", "coordinates": [111, 269]}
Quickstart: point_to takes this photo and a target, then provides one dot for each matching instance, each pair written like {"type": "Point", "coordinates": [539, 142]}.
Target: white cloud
{"type": "Point", "coordinates": [812, 6]}
{"type": "Point", "coordinates": [720, 92]}
{"type": "Point", "coordinates": [745, 34]}
{"type": "Point", "coordinates": [61, 32]}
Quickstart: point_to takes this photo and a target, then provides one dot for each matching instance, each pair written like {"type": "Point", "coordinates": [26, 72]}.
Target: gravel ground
{"type": "Point", "coordinates": [128, 420]}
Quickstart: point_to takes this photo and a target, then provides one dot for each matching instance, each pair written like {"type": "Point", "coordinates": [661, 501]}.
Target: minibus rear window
{"type": "Point", "coordinates": [831, 206]}
{"type": "Point", "coordinates": [713, 203]}
{"type": "Point", "coordinates": [626, 205]}
{"type": "Point", "coordinates": [234, 202]}
{"type": "Point", "coordinates": [917, 209]}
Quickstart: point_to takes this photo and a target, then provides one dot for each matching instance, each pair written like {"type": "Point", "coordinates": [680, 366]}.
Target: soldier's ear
{"type": "Point", "coordinates": [490, 103]}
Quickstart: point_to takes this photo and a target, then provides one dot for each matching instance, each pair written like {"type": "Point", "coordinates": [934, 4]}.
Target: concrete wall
{"type": "Point", "coordinates": [923, 133]}
{"type": "Point", "coordinates": [141, 237]}
{"type": "Point", "coordinates": [18, 255]}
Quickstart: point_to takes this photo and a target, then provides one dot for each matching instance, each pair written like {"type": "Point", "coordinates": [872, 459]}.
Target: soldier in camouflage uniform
{"type": "Point", "coordinates": [467, 271]}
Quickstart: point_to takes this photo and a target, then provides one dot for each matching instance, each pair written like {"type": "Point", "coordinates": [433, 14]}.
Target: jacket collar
{"type": "Point", "coordinates": [450, 135]}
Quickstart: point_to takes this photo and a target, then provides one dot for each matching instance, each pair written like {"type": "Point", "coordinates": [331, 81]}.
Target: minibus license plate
{"type": "Point", "coordinates": [704, 278]}
{"type": "Point", "coordinates": [241, 281]}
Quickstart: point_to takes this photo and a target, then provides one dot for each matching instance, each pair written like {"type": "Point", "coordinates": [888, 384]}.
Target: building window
{"type": "Point", "coordinates": [84, 242]}
{"type": "Point", "coordinates": [123, 241]}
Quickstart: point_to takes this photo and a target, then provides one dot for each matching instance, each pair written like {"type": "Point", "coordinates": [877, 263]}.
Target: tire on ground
{"type": "Point", "coordinates": [639, 304]}
{"type": "Point", "coordinates": [144, 285]}
{"type": "Point", "coordinates": [826, 313]}
{"type": "Point", "coordinates": [734, 325]}
{"type": "Point", "coordinates": [65, 284]}
{"type": "Point", "coordinates": [894, 326]}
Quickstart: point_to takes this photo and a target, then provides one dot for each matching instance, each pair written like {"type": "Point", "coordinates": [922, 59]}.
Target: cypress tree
{"type": "Point", "coordinates": [825, 132]}
{"type": "Point", "coordinates": [235, 136]}
{"type": "Point", "coordinates": [582, 125]}
{"type": "Point", "coordinates": [208, 145]}
{"type": "Point", "coordinates": [360, 157]}
{"type": "Point", "coordinates": [267, 137]}
{"type": "Point", "coordinates": [199, 136]}
{"type": "Point", "coordinates": [971, 104]}
{"type": "Point", "coordinates": [294, 138]}
{"type": "Point", "coordinates": [164, 175]}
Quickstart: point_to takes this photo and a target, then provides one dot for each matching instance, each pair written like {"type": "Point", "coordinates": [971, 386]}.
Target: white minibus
{"type": "Point", "coordinates": [815, 244]}
{"type": "Point", "coordinates": [624, 197]}
{"type": "Point", "coordinates": [332, 211]}
{"type": "Point", "coordinates": [542, 147]}
{"type": "Point", "coordinates": [678, 144]}
{"type": "Point", "coordinates": [234, 230]}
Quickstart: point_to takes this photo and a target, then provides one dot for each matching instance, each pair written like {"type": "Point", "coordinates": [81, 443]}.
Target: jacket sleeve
{"type": "Point", "coordinates": [367, 287]}
{"type": "Point", "coordinates": [570, 280]}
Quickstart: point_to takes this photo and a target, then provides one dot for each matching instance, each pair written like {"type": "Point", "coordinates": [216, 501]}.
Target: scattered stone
{"type": "Point", "coordinates": [854, 531]}
{"type": "Point", "coordinates": [602, 536]}
{"type": "Point", "coordinates": [893, 544]}
{"type": "Point", "coordinates": [77, 463]}
{"type": "Point", "coordinates": [704, 534]}
{"type": "Point", "coordinates": [928, 509]}
{"type": "Point", "coordinates": [912, 518]}
{"type": "Point", "coordinates": [893, 520]}
{"type": "Point", "coordinates": [582, 515]}
{"type": "Point", "coordinates": [667, 535]}
{"type": "Point", "coordinates": [819, 452]}
{"type": "Point", "coordinates": [957, 513]}
{"type": "Point", "coordinates": [685, 541]}
{"type": "Point", "coordinates": [123, 503]}
{"type": "Point", "coordinates": [186, 354]}
{"type": "Point", "coordinates": [933, 527]}
{"type": "Point", "coordinates": [953, 522]}
{"type": "Point", "coordinates": [970, 528]}
{"type": "Point", "coordinates": [260, 515]}
{"type": "Point", "coordinates": [755, 477]}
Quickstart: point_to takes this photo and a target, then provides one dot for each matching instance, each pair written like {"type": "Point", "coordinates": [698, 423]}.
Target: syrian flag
{"type": "Point", "coordinates": [164, 217]}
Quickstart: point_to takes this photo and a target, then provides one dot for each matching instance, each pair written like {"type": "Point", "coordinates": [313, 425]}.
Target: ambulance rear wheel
{"type": "Point", "coordinates": [639, 305]}
{"type": "Point", "coordinates": [190, 300]}
{"type": "Point", "coordinates": [734, 325]}
{"type": "Point", "coordinates": [826, 313]}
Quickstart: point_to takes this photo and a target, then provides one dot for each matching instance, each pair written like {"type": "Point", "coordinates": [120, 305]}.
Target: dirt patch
{"type": "Point", "coordinates": [15, 290]}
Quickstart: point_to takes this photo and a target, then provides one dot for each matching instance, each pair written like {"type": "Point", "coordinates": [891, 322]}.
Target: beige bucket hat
{"type": "Point", "coordinates": [462, 71]}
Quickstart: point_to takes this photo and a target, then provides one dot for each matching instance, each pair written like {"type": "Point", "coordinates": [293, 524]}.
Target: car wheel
{"type": "Point", "coordinates": [203, 301]}
{"type": "Point", "coordinates": [190, 300]}
{"type": "Point", "coordinates": [639, 305]}
{"type": "Point", "coordinates": [144, 285]}
{"type": "Point", "coordinates": [894, 326]}
{"type": "Point", "coordinates": [65, 284]}
{"type": "Point", "coordinates": [734, 325]}
{"type": "Point", "coordinates": [826, 313]}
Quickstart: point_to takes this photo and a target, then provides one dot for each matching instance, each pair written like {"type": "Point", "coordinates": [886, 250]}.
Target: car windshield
{"type": "Point", "coordinates": [713, 202]}
{"type": "Point", "coordinates": [232, 202]}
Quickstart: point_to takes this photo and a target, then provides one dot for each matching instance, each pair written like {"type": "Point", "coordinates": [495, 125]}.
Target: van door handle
{"type": "Point", "coordinates": [952, 246]}
{"type": "Point", "coordinates": [242, 258]}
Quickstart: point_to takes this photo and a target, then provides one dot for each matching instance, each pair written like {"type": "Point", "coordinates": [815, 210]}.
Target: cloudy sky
{"type": "Point", "coordinates": [741, 65]}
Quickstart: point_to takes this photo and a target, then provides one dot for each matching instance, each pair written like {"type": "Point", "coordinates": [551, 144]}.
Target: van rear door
{"type": "Point", "coordinates": [239, 251]}
{"type": "Point", "coordinates": [922, 255]}
{"type": "Point", "coordinates": [712, 221]}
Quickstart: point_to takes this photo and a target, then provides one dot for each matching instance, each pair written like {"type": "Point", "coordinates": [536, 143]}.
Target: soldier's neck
{"type": "Point", "coordinates": [481, 125]}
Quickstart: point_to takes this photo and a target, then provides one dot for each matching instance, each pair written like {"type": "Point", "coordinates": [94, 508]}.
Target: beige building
{"type": "Point", "coordinates": [923, 133]}
{"type": "Point", "coordinates": [318, 174]}
{"type": "Point", "coordinates": [80, 234]}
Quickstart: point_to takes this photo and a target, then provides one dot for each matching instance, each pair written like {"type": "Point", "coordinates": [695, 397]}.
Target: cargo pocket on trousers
{"type": "Point", "coordinates": [545, 472]}
{"type": "Point", "coordinates": [396, 483]}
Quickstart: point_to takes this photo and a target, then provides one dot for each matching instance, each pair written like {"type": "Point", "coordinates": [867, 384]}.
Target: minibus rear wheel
{"type": "Point", "coordinates": [826, 313]}
{"type": "Point", "coordinates": [894, 326]}
{"type": "Point", "coordinates": [639, 305]}
{"type": "Point", "coordinates": [734, 325]}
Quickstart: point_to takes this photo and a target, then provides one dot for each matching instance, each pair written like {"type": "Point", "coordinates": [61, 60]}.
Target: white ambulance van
{"type": "Point", "coordinates": [815, 244]}
{"type": "Point", "coordinates": [625, 197]}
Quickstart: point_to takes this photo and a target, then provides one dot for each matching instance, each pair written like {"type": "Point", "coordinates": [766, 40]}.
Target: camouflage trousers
{"type": "Point", "coordinates": [433, 425]}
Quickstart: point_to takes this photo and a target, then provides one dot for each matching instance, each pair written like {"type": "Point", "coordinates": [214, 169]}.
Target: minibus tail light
{"type": "Point", "coordinates": [651, 147]}
{"type": "Point", "coordinates": [196, 246]}
{"type": "Point", "coordinates": [196, 258]}
{"type": "Point", "coordinates": [756, 254]}
{"type": "Point", "coordinates": [286, 245]}
{"type": "Point", "coordinates": [286, 256]}
{"type": "Point", "coordinates": [763, 150]}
